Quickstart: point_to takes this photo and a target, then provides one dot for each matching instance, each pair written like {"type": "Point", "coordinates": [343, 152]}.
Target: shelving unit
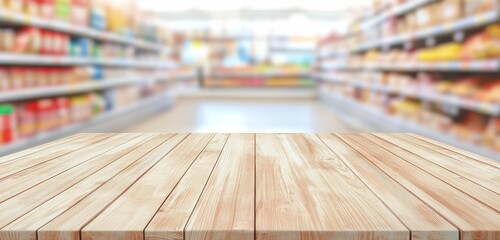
{"type": "Point", "coordinates": [490, 65]}
{"type": "Point", "coordinates": [486, 108]}
{"type": "Point", "coordinates": [26, 20]}
{"type": "Point", "coordinates": [394, 124]}
{"type": "Point", "coordinates": [159, 78]}
{"type": "Point", "coordinates": [114, 118]}
{"type": "Point", "coordinates": [34, 60]}
{"type": "Point", "coordinates": [352, 72]}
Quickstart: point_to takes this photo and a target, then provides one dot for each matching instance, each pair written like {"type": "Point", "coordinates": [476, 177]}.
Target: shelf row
{"type": "Point", "coordinates": [303, 74]}
{"type": "Point", "coordinates": [106, 117]}
{"type": "Point", "coordinates": [490, 65]}
{"type": "Point", "coordinates": [397, 124]}
{"type": "Point", "coordinates": [85, 87]}
{"type": "Point", "coordinates": [40, 60]}
{"type": "Point", "coordinates": [471, 104]}
{"type": "Point", "coordinates": [395, 11]}
{"type": "Point", "coordinates": [448, 28]}
{"type": "Point", "coordinates": [18, 18]}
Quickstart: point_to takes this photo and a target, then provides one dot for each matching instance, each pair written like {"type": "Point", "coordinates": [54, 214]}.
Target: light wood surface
{"type": "Point", "coordinates": [248, 186]}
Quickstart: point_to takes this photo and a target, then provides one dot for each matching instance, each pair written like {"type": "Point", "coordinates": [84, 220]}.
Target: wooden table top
{"type": "Point", "coordinates": [248, 186]}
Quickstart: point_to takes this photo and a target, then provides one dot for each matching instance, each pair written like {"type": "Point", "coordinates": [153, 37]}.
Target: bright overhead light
{"type": "Point", "coordinates": [234, 5]}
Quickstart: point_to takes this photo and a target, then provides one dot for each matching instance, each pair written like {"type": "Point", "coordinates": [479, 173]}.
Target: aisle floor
{"type": "Point", "coordinates": [211, 115]}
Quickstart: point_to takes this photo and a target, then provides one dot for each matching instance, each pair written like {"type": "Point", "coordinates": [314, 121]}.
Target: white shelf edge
{"type": "Point", "coordinates": [93, 85]}
{"type": "Point", "coordinates": [18, 18]}
{"type": "Point", "coordinates": [486, 108]}
{"type": "Point", "coordinates": [489, 65]}
{"type": "Point", "coordinates": [80, 126]}
{"type": "Point", "coordinates": [261, 75]}
{"type": "Point", "coordinates": [449, 28]}
{"type": "Point", "coordinates": [406, 126]}
{"type": "Point", "coordinates": [41, 60]}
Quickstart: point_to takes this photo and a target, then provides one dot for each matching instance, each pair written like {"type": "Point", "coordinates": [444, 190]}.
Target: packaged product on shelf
{"type": "Point", "coordinates": [469, 127]}
{"type": "Point", "coordinates": [466, 87]}
{"type": "Point", "coordinates": [4, 80]}
{"type": "Point", "coordinates": [7, 39]}
{"type": "Point", "coordinates": [473, 7]}
{"type": "Point", "coordinates": [64, 111]}
{"type": "Point", "coordinates": [81, 108]}
{"type": "Point", "coordinates": [27, 40]}
{"type": "Point", "coordinates": [483, 45]}
{"type": "Point", "coordinates": [47, 115]}
{"type": "Point", "coordinates": [62, 10]}
{"type": "Point", "coordinates": [47, 10]}
{"type": "Point", "coordinates": [491, 136]}
{"type": "Point", "coordinates": [451, 10]}
{"type": "Point", "coordinates": [489, 92]}
{"type": "Point", "coordinates": [80, 12]}
{"type": "Point", "coordinates": [98, 103]}
{"type": "Point", "coordinates": [31, 8]}
{"type": "Point", "coordinates": [98, 18]}
{"type": "Point", "coordinates": [7, 123]}
{"type": "Point", "coordinates": [26, 118]}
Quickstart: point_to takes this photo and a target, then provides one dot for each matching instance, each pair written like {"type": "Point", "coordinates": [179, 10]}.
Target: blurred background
{"type": "Point", "coordinates": [424, 66]}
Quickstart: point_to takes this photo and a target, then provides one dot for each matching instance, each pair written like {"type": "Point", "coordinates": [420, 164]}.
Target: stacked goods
{"type": "Point", "coordinates": [7, 124]}
{"type": "Point", "coordinates": [17, 78]}
{"type": "Point", "coordinates": [120, 17]}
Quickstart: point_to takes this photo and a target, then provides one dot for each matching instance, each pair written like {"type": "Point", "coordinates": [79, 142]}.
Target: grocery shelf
{"type": "Point", "coordinates": [490, 65]}
{"type": "Point", "coordinates": [93, 85]}
{"type": "Point", "coordinates": [442, 29]}
{"type": "Point", "coordinates": [391, 123]}
{"type": "Point", "coordinates": [41, 60]}
{"type": "Point", "coordinates": [113, 117]}
{"type": "Point", "coordinates": [491, 109]}
{"type": "Point", "coordinates": [22, 19]}
{"type": "Point", "coordinates": [396, 11]}
{"type": "Point", "coordinates": [261, 75]}
{"type": "Point", "coordinates": [255, 93]}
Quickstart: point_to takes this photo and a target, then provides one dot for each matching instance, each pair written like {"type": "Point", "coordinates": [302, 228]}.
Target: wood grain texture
{"type": "Point", "coordinates": [248, 187]}
{"type": "Point", "coordinates": [490, 167]}
{"type": "Point", "coordinates": [226, 207]}
{"type": "Point", "coordinates": [171, 219]}
{"type": "Point", "coordinates": [486, 179]}
{"type": "Point", "coordinates": [146, 195]}
{"type": "Point", "coordinates": [298, 180]}
{"type": "Point", "coordinates": [423, 222]}
{"type": "Point", "coordinates": [459, 151]}
{"type": "Point", "coordinates": [25, 227]}
{"type": "Point", "coordinates": [24, 202]}
{"type": "Point", "coordinates": [69, 224]}
{"type": "Point", "coordinates": [42, 147]}
{"type": "Point", "coordinates": [456, 206]}
{"type": "Point", "coordinates": [30, 177]}
{"type": "Point", "coordinates": [30, 160]}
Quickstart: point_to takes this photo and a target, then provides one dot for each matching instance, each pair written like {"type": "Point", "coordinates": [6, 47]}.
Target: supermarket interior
{"type": "Point", "coordinates": [430, 67]}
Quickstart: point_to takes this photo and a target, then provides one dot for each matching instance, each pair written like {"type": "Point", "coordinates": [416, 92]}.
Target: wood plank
{"type": "Point", "coordinates": [39, 148]}
{"type": "Point", "coordinates": [21, 163]}
{"type": "Point", "coordinates": [68, 225]}
{"type": "Point", "coordinates": [457, 207]}
{"type": "Point", "coordinates": [304, 191]}
{"type": "Point", "coordinates": [146, 195]}
{"type": "Point", "coordinates": [423, 221]}
{"type": "Point", "coordinates": [27, 178]}
{"type": "Point", "coordinates": [172, 217]}
{"type": "Point", "coordinates": [473, 163]}
{"type": "Point", "coordinates": [24, 202]}
{"type": "Point", "coordinates": [25, 227]}
{"type": "Point", "coordinates": [471, 155]}
{"type": "Point", "coordinates": [225, 209]}
{"type": "Point", "coordinates": [470, 188]}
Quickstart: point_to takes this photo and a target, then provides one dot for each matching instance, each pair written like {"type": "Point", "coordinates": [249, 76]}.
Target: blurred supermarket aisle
{"type": "Point", "coordinates": [203, 115]}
